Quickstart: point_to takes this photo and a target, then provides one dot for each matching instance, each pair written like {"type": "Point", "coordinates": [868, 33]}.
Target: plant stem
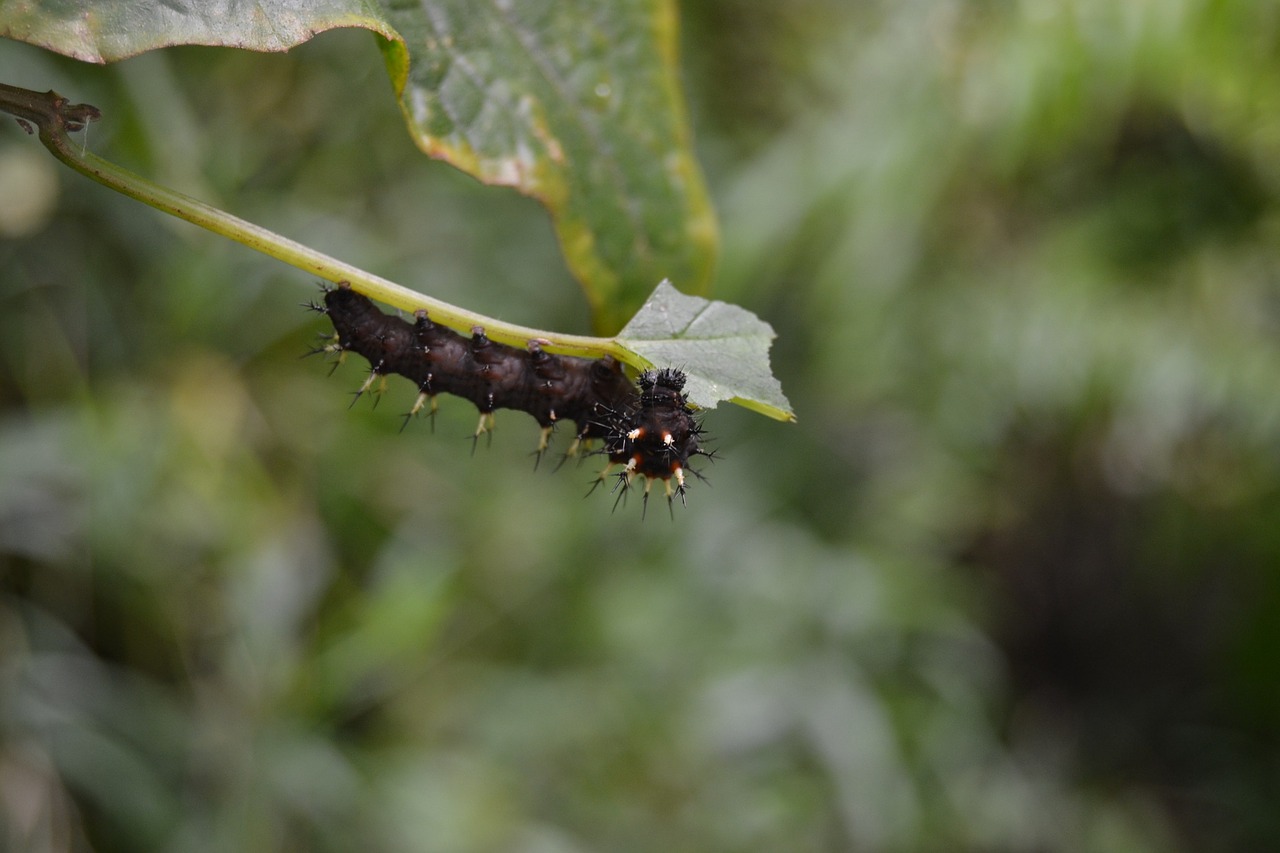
{"type": "Point", "coordinates": [56, 117]}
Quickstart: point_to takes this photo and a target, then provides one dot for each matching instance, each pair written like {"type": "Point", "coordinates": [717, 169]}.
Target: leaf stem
{"type": "Point", "coordinates": [55, 117]}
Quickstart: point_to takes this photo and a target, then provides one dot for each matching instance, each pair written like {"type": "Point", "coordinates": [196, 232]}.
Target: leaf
{"type": "Point", "coordinates": [577, 103]}
{"type": "Point", "coordinates": [574, 102]}
{"type": "Point", "coordinates": [109, 30]}
{"type": "Point", "coordinates": [723, 350]}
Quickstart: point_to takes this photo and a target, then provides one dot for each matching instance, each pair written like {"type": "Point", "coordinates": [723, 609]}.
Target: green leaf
{"type": "Point", "coordinates": [577, 103]}
{"type": "Point", "coordinates": [574, 102]}
{"type": "Point", "coordinates": [110, 30]}
{"type": "Point", "coordinates": [723, 350]}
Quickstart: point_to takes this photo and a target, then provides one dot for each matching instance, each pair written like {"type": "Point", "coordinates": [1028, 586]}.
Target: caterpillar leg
{"type": "Point", "coordinates": [622, 493]}
{"type": "Point", "coordinates": [602, 477]}
{"type": "Point", "coordinates": [544, 441]}
{"type": "Point", "coordinates": [329, 345]}
{"type": "Point", "coordinates": [376, 384]}
{"type": "Point", "coordinates": [677, 490]}
{"type": "Point", "coordinates": [624, 477]}
{"type": "Point", "coordinates": [418, 405]}
{"type": "Point", "coordinates": [644, 501]}
{"type": "Point", "coordinates": [485, 427]}
{"type": "Point", "coordinates": [579, 449]}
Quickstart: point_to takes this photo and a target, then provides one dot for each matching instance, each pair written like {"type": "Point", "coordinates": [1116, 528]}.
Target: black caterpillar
{"type": "Point", "coordinates": [647, 427]}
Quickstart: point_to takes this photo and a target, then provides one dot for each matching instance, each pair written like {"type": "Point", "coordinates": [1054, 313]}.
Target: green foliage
{"type": "Point", "coordinates": [118, 29]}
{"type": "Point", "coordinates": [1009, 583]}
{"type": "Point", "coordinates": [574, 103]}
{"type": "Point", "coordinates": [577, 104]}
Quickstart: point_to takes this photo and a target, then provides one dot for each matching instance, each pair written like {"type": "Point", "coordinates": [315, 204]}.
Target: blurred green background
{"type": "Point", "coordinates": [1011, 583]}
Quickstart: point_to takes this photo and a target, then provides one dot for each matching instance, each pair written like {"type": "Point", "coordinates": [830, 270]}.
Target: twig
{"type": "Point", "coordinates": [56, 117]}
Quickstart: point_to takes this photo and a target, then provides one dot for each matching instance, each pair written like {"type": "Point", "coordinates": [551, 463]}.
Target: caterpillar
{"type": "Point", "coordinates": [647, 426]}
